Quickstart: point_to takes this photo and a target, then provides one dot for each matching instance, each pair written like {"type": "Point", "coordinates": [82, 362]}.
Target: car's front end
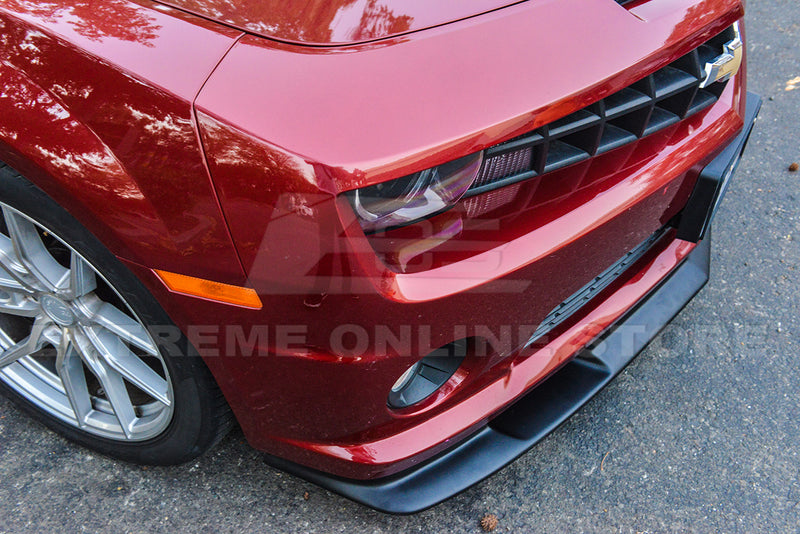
{"type": "Point", "coordinates": [451, 237]}
{"type": "Point", "coordinates": [493, 195]}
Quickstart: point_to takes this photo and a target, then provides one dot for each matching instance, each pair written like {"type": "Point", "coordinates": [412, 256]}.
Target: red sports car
{"type": "Point", "coordinates": [396, 241]}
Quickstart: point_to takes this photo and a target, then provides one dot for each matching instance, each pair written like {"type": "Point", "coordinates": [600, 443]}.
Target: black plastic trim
{"type": "Point", "coordinates": [714, 179]}
{"type": "Point", "coordinates": [533, 416]}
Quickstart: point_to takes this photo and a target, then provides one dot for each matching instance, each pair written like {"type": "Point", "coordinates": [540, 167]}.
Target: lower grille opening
{"type": "Point", "coordinates": [577, 300]}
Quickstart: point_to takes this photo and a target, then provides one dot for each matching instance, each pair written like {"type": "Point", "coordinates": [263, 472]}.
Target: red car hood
{"type": "Point", "coordinates": [336, 22]}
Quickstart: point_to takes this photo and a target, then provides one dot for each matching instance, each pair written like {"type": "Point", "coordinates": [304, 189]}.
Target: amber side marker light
{"type": "Point", "coordinates": [208, 289]}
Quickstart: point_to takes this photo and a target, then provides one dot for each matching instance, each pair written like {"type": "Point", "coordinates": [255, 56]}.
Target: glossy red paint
{"type": "Point", "coordinates": [335, 280]}
{"type": "Point", "coordinates": [285, 129]}
{"type": "Point", "coordinates": [436, 84]}
{"type": "Point", "coordinates": [520, 372]}
{"type": "Point", "coordinates": [97, 110]}
{"type": "Point", "coordinates": [339, 22]}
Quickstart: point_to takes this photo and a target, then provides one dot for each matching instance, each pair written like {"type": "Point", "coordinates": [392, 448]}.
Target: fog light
{"type": "Point", "coordinates": [422, 379]}
{"type": "Point", "coordinates": [405, 378]}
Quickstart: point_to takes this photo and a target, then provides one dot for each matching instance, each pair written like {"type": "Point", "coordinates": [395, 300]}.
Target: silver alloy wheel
{"type": "Point", "coordinates": [70, 343]}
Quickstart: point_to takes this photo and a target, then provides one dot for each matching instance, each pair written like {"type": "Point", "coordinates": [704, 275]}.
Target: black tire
{"type": "Point", "coordinates": [200, 416]}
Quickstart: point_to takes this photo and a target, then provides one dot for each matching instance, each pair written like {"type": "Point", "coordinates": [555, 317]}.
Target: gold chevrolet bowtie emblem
{"type": "Point", "coordinates": [727, 64]}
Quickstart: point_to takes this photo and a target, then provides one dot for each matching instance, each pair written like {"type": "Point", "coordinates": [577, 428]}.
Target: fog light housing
{"type": "Point", "coordinates": [422, 379]}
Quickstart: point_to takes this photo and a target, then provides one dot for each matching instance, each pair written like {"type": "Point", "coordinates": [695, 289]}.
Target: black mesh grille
{"type": "Point", "coordinates": [666, 97]}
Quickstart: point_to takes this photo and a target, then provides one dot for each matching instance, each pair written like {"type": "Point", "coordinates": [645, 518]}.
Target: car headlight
{"type": "Point", "coordinates": [416, 196]}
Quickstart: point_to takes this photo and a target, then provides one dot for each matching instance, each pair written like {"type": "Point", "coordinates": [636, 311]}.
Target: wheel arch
{"type": "Point", "coordinates": [75, 168]}
{"type": "Point", "coordinates": [100, 118]}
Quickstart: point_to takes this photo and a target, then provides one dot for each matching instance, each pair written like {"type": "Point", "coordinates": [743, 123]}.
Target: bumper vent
{"type": "Point", "coordinates": [575, 302]}
{"type": "Point", "coordinates": [662, 99]}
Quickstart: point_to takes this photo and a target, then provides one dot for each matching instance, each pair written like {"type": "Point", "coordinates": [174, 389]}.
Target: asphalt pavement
{"type": "Point", "coordinates": [699, 434]}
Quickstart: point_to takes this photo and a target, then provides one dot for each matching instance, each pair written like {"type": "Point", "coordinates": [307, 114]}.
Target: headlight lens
{"type": "Point", "coordinates": [416, 196]}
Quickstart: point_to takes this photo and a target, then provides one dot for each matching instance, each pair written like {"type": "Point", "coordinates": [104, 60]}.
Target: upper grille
{"type": "Point", "coordinates": [655, 102]}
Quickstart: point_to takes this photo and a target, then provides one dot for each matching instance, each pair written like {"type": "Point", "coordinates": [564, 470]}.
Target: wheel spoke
{"type": "Point", "coordinates": [117, 395]}
{"type": "Point", "coordinates": [27, 346]}
{"type": "Point", "coordinates": [16, 287]}
{"type": "Point", "coordinates": [130, 330]}
{"type": "Point", "coordinates": [119, 357]}
{"type": "Point", "coordinates": [32, 254]}
{"type": "Point", "coordinates": [81, 277]}
{"type": "Point", "coordinates": [18, 304]}
{"type": "Point", "coordinates": [13, 276]}
{"type": "Point", "coordinates": [112, 383]}
{"type": "Point", "coordinates": [5, 340]}
{"type": "Point", "coordinates": [70, 370]}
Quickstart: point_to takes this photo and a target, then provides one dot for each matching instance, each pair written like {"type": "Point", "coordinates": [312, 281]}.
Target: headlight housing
{"type": "Point", "coordinates": [416, 196]}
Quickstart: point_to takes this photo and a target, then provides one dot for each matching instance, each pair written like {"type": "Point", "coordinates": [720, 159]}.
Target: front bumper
{"type": "Point", "coordinates": [530, 419]}
{"type": "Point", "coordinates": [540, 411]}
